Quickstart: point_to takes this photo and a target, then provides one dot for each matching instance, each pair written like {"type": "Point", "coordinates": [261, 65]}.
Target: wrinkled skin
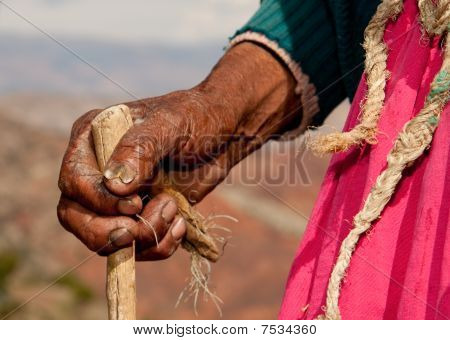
{"type": "Point", "coordinates": [198, 134]}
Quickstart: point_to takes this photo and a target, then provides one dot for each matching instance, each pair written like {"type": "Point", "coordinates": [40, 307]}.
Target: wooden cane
{"type": "Point", "coordinates": [108, 127]}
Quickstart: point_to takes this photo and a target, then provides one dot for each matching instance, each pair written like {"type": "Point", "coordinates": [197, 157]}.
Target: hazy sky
{"type": "Point", "coordinates": [163, 21]}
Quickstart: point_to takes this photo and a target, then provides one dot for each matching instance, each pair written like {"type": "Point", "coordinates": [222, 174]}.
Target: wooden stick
{"type": "Point", "coordinates": [107, 129]}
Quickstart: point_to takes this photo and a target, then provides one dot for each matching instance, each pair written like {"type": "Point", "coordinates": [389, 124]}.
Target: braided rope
{"type": "Point", "coordinates": [410, 144]}
{"type": "Point", "coordinates": [376, 74]}
{"type": "Point", "coordinates": [434, 18]}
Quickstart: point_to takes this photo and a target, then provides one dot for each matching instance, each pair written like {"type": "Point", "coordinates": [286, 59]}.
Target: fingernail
{"type": "Point", "coordinates": [179, 229]}
{"type": "Point", "coordinates": [168, 211]}
{"type": "Point", "coordinates": [122, 171]}
{"type": "Point", "coordinates": [121, 237]}
{"type": "Point", "coordinates": [108, 174]}
{"type": "Point", "coordinates": [127, 175]}
{"type": "Point", "coordinates": [127, 207]}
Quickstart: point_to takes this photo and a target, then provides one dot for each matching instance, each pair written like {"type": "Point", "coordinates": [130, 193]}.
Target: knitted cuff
{"type": "Point", "coordinates": [304, 88]}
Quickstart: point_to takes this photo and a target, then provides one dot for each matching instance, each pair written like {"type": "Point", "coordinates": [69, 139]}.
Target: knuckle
{"type": "Point", "coordinates": [79, 124]}
{"type": "Point", "coordinates": [64, 174]}
{"type": "Point", "coordinates": [92, 241]}
{"type": "Point", "coordinates": [86, 187]}
{"type": "Point", "coordinates": [61, 212]}
{"type": "Point", "coordinates": [65, 179]}
{"type": "Point", "coordinates": [62, 183]}
{"type": "Point", "coordinates": [65, 182]}
{"type": "Point", "coordinates": [138, 110]}
{"type": "Point", "coordinates": [84, 120]}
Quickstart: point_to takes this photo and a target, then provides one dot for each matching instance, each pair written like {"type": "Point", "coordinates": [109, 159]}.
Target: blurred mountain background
{"type": "Point", "coordinates": [60, 59]}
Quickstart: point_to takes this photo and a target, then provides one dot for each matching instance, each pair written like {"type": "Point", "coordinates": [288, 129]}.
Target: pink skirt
{"type": "Point", "coordinates": [401, 268]}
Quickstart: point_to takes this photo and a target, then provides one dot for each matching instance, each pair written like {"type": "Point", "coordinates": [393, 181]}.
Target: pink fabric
{"type": "Point", "coordinates": [401, 269]}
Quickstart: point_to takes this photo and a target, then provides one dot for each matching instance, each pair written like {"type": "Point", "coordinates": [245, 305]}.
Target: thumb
{"type": "Point", "coordinates": [138, 152]}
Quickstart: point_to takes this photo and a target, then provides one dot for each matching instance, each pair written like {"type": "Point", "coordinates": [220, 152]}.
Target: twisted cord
{"type": "Point", "coordinates": [376, 74]}
{"type": "Point", "coordinates": [413, 140]}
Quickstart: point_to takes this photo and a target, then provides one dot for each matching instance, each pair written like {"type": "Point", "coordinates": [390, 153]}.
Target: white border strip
{"type": "Point", "coordinates": [306, 90]}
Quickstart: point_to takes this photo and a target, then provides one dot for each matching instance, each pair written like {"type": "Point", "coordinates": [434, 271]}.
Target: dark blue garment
{"type": "Point", "coordinates": [324, 37]}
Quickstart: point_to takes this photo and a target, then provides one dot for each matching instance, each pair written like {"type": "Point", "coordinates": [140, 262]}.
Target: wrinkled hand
{"type": "Point", "coordinates": [195, 135]}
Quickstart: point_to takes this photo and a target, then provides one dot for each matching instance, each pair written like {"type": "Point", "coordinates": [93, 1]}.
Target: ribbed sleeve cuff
{"type": "Point", "coordinates": [306, 90]}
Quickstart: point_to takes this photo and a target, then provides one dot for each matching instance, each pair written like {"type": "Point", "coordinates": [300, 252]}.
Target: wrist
{"type": "Point", "coordinates": [251, 87]}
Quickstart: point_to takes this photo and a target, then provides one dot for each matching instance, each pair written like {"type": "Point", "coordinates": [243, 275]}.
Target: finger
{"type": "Point", "coordinates": [155, 220]}
{"type": "Point", "coordinates": [81, 180]}
{"type": "Point", "coordinates": [130, 205]}
{"type": "Point", "coordinates": [139, 151]}
{"type": "Point", "coordinates": [168, 245]}
{"type": "Point", "coordinates": [103, 235]}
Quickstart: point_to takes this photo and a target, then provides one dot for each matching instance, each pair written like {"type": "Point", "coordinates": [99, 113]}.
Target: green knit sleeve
{"type": "Point", "coordinates": [304, 33]}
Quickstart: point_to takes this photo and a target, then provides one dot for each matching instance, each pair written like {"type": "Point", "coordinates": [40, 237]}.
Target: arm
{"type": "Point", "coordinates": [247, 99]}
{"type": "Point", "coordinates": [282, 73]}
{"type": "Point", "coordinates": [320, 41]}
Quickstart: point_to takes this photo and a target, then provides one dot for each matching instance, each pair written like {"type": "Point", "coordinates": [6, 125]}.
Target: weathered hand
{"type": "Point", "coordinates": [196, 135]}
